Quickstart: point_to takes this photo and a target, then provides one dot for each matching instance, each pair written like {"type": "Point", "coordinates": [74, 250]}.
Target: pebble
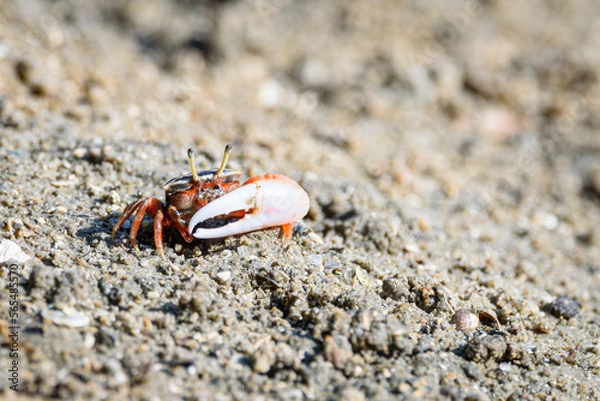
{"type": "Point", "coordinates": [224, 276]}
{"type": "Point", "coordinates": [67, 317]}
{"type": "Point", "coordinates": [10, 250]}
{"type": "Point", "coordinates": [315, 260]}
{"type": "Point", "coordinates": [542, 327]}
{"type": "Point", "coordinates": [546, 220]}
{"type": "Point", "coordinates": [352, 394]}
{"type": "Point", "coordinates": [504, 367]}
{"type": "Point", "coordinates": [563, 306]}
{"type": "Point", "coordinates": [113, 197]}
{"type": "Point", "coordinates": [80, 153]}
{"type": "Point", "coordinates": [262, 360]}
{"type": "Point", "coordinates": [316, 238]}
{"type": "Point", "coordinates": [115, 374]}
{"type": "Point", "coordinates": [411, 247]}
{"type": "Point", "coordinates": [270, 94]}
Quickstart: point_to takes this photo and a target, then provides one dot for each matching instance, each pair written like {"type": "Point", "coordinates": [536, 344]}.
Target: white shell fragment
{"type": "Point", "coordinates": [10, 250]}
{"type": "Point", "coordinates": [68, 317]}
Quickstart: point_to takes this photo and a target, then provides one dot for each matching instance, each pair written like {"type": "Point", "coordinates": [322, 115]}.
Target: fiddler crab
{"type": "Point", "coordinates": [213, 204]}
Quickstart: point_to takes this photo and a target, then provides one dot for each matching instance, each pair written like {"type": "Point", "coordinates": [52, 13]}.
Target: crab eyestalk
{"type": "Point", "coordinates": [226, 154]}
{"type": "Point", "coordinates": [190, 154]}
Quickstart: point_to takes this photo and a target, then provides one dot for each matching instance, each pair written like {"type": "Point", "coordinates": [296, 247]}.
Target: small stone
{"type": "Point", "coordinates": [316, 238]}
{"type": "Point", "coordinates": [113, 198]}
{"type": "Point", "coordinates": [115, 374]}
{"type": "Point", "coordinates": [550, 222]}
{"type": "Point", "coordinates": [67, 317]}
{"type": "Point", "coordinates": [546, 220]}
{"type": "Point", "coordinates": [352, 394]}
{"type": "Point", "coordinates": [338, 350]}
{"type": "Point", "coordinates": [563, 306]}
{"type": "Point", "coordinates": [285, 354]}
{"type": "Point", "coordinates": [95, 154]}
{"type": "Point", "coordinates": [224, 276]}
{"type": "Point", "coordinates": [315, 260]}
{"type": "Point", "coordinates": [542, 327]}
{"type": "Point", "coordinates": [80, 153]}
{"type": "Point", "coordinates": [263, 359]}
{"type": "Point", "coordinates": [270, 94]}
{"type": "Point", "coordinates": [4, 51]}
{"type": "Point", "coordinates": [411, 247]}
{"type": "Point", "coordinates": [89, 341]}
{"type": "Point", "coordinates": [504, 367]}
{"type": "Point", "coordinates": [312, 73]}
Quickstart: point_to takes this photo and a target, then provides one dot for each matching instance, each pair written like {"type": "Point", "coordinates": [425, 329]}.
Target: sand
{"type": "Point", "coordinates": [452, 157]}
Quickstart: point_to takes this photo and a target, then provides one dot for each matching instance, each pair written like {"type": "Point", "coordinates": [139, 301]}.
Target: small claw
{"type": "Point", "coordinates": [269, 201]}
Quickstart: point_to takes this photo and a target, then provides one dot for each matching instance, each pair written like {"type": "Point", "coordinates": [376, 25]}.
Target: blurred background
{"type": "Point", "coordinates": [369, 90]}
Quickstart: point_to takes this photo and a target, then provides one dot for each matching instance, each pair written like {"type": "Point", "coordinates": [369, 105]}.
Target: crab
{"type": "Point", "coordinates": [213, 204]}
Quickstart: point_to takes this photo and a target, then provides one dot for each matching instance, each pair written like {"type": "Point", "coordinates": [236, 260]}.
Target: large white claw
{"type": "Point", "coordinates": [271, 201]}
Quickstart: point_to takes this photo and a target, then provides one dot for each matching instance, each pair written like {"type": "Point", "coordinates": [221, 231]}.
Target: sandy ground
{"type": "Point", "coordinates": [452, 157]}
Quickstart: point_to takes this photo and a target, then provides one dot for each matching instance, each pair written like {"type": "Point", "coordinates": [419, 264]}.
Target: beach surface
{"type": "Point", "coordinates": [451, 152]}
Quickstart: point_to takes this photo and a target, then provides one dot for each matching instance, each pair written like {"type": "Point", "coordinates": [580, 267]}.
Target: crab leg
{"type": "Point", "coordinates": [129, 210]}
{"type": "Point", "coordinates": [268, 201]}
{"type": "Point", "coordinates": [153, 207]}
{"type": "Point", "coordinates": [137, 222]}
{"type": "Point", "coordinates": [158, 228]}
